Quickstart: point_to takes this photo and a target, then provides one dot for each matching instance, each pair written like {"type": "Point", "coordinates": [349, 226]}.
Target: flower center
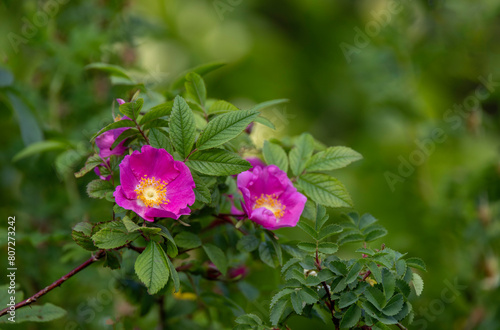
{"type": "Point", "coordinates": [152, 192]}
{"type": "Point", "coordinates": [271, 203]}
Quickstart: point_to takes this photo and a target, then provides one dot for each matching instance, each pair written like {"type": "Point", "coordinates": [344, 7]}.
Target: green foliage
{"type": "Point", "coordinates": [182, 127]}
{"type": "Point", "coordinates": [152, 267]}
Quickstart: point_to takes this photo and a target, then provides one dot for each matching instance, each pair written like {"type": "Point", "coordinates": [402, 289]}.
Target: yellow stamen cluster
{"type": "Point", "coordinates": [118, 117]}
{"type": "Point", "coordinates": [271, 203]}
{"type": "Point", "coordinates": [152, 192]}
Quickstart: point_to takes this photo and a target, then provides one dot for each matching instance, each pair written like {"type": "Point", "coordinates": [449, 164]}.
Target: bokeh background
{"type": "Point", "coordinates": [382, 91]}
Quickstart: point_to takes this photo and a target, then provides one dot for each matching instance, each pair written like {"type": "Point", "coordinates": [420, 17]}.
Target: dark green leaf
{"type": "Point", "coordinates": [99, 188]}
{"type": "Point", "coordinates": [187, 240]}
{"type": "Point", "coordinates": [351, 317]}
{"type": "Point", "coordinates": [274, 154]}
{"type": "Point", "coordinates": [332, 159]}
{"type": "Point", "coordinates": [152, 267]}
{"type": "Point", "coordinates": [325, 190]}
{"type": "Point", "coordinates": [217, 256]}
{"type": "Point", "coordinates": [217, 162]}
{"type": "Point", "coordinates": [182, 127]}
{"type": "Point", "coordinates": [301, 153]}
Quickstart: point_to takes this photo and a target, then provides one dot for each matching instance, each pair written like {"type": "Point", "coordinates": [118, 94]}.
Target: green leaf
{"type": "Point", "coordinates": [132, 109]}
{"type": "Point", "coordinates": [201, 191]}
{"type": "Point", "coordinates": [350, 238]}
{"type": "Point", "coordinates": [306, 246]}
{"type": "Point", "coordinates": [377, 274]}
{"type": "Point", "coordinates": [158, 138]}
{"type": "Point", "coordinates": [403, 287]}
{"type": "Point", "coordinates": [277, 311]}
{"type": "Point", "coordinates": [152, 267]}
{"type": "Point", "coordinates": [283, 293]}
{"type": "Point", "coordinates": [182, 127]}
{"type": "Point", "coordinates": [418, 283]}
{"type": "Point", "coordinates": [221, 106]}
{"type": "Point", "coordinates": [114, 125]}
{"type": "Point", "coordinates": [366, 220]}
{"type": "Point", "coordinates": [296, 300]}
{"type": "Point", "coordinates": [264, 121]}
{"type": "Point", "coordinates": [130, 225]}
{"type": "Point", "coordinates": [388, 282]}
{"type": "Point", "coordinates": [329, 231]}
{"type": "Point", "coordinates": [166, 233]}
{"type": "Point", "coordinates": [39, 147]}
{"type": "Point", "coordinates": [114, 70]}
{"type": "Point", "coordinates": [174, 276]}
{"type": "Point", "coordinates": [416, 263]}
{"type": "Point", "coordinates": [37, 313]}
{"type": "Point", "coordinates": [158, 111]}
{"type": "Point", "coordinates": [187, 240]}
{"type": "Point", "coordinates": [394, 305]}
{"type": "Point", "coordinates": [113, 259]}
{"type": "Point", "coordinates": [124, 135]}
{"type": "Point", "coordinates": [375, 234]}
{"type": "Point", "coordinates": [301, 153]}
{"type": "Point", "coordinates": [90, 164]}
{"type": "Point", "coordinates": [217, 256]}
{"type": "Point", "coordinates": [332, 158]}
{"type": "Point", "coordinates": [338, 267]}
{"type": "Point", "coordinates": [328, 247]}
{"type": "Point", "coordinates": [321, 216]}
{"type": "Point", "coordinates": [308, 229]}
{"type": "Point", "coordinates": [266, 254]}
{"type": "Point", "coordinates": [347, 299]}
{"type": "Point", "coordinates": [201, 70]}
{"type": "Point", "coordinates": [309, 295]}
{"type": "Point", "coordinates": [248, 243]}
{"type": "Point", "coordinates": [225, 127]}
{"type": "Point", "coordinates": [269, 104]}
{"type": "Point", "coordinates": [248, 319]}
{"type": "Point", "coordinates": [351, 317]}
{"type": "Point", "coordinates": [375, 296]}
{"type": "Point", "coordinates": [217, 162]}
{"type": "Point", "coordinates": [195, 88]}
{"type": "Point", "coordinates": [112, 235]}
{"type": "Point", "coordinates": [400, 267]}
{"type": "Point", "coordinates": [288, 264]}
{"type": "Point", "coordinates": [81, 234]}
{"type": "Point", "coordinates": [325, 190]}
{"type": "Point", "coordinates": [99, 188]}
{"type": "Point", "coordinates": [274, 154]}
{"type": "Point", "coordinates": [353, 272]}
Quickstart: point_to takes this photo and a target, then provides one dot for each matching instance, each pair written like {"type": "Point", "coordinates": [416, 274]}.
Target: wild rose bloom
{"type": "Point", "coordinates": [97, 170]}
{"type": "Point", "coordinates": [153, 184]}
{"type": "Point", "coordinates": [106, 139]}
{"type": "Point", "coordinates": [269, 197]}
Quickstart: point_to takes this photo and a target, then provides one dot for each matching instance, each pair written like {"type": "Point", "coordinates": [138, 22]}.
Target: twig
{"type": "Point", "coordinates": [162, 317]}
{"type": "Point", "coordinates": [329, 303]}
{"type": "Point", "coordinates": [59, 282]}
{"type": "Point", "coordinates": [402, 327]}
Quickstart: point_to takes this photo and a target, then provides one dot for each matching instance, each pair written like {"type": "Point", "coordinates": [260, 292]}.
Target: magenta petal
{"type": "Point", "coordinates": [127, 178]}
{"type": "Point", "coordinates": [130, 204]}
{"type": "Point", "coordinates": [106, 140]}
{"type": "Point", "coordinates": [264, 217]}
{"type": "Point", "coordinates": [180, 191]}
{"type": "Point", "coordinates": [120, 101]}
{"type": "Point", "coordinates": [152, 162]}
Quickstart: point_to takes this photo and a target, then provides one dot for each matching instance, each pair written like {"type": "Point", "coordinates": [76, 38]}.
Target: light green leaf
{"type": "Point", "coordinates": [37, 313]}
{"type": "Point", "coordinates": [114, 70]}
{"type": "Point", "coordinates": [351, 317]}
{"type": "Point", "coordinates": [187, 240]}
{"type": "Point", "coordinates": [329, 231]}
{"type": "Point", "coordinates": [296, 300]}
{"type": "Point", "coordinates": [158, 138]}
{"type": "Point", "coordinates": [416, 263]}
{"type": "Point", "coordinates": [221, 106]}
{"type": "Point", "coordinates": [217, 256]}
{"type": "Point", "coordinates": [158, 111]}
{"type": "Point", "coordinates": [182, 127]}
{"type": "Point", "coordinates": [301, 153]}
{"type": "Point", "coordinates": [132, 109]}
{"type": "Point", "coordinates": [112, 235]}
{"type": "Point", "coordinates": [328, 247]}
{"type": "Point", "coordinates": [217, 162]}
{"type": "Point", "coordinates": [269, 104]}
{"type": "Point", "coordinates": [152, 267]}
{"type": "Point", "coordinates": [99, 188]}
{"type": "Point", "coordinates": [418, 283]}
{"type": "Point", "coordinates": [39, 147]}
{"type": "Point", "coordinates": [388, 283]}
{"type": "Point", "coordinates": [201, 70]}
{"type": "Point", "coordinates": [325, 190]}
{"type": "Point", "coordinates": [306, 246]}
{"type": "Point", "coordinates": [225, 127]}
{"type": "Point", "coordinates": [90, 164]}
{"type": "Point", "coordinates": [264, 121]}
{"type": "Point", "coordinates": [277, 311]}
{"type": "Point", "coordinates": [195, 88]}
{"type": "Point", "coordinates": [332, 159]}
{"type": "Point", "coordinates": [274, 154]}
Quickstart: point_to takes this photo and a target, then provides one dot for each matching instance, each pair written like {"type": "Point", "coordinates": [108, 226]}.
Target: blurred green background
{"type": "Point", "coordinates": [379, 91]}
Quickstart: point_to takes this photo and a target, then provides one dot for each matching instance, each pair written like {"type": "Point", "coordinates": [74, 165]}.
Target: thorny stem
{"type": "Point", "coordinates": [192, 152]}
{"type": "Point", "coordinates": [59, 282]}
{"type": "Point", "coordinates": [141, 131]}
{"type": "Point", "coordinates": [329, 303]}
{"type": "Point", "coordinates": [402, 327]}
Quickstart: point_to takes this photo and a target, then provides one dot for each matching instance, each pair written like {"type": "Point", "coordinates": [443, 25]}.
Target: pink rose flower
{"type": "Point", "coordinates": [153, 184]}
{"type": "Point", "coordinates": [106, 139]}
{"type": "Point", "coordinates": [269, 197]}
